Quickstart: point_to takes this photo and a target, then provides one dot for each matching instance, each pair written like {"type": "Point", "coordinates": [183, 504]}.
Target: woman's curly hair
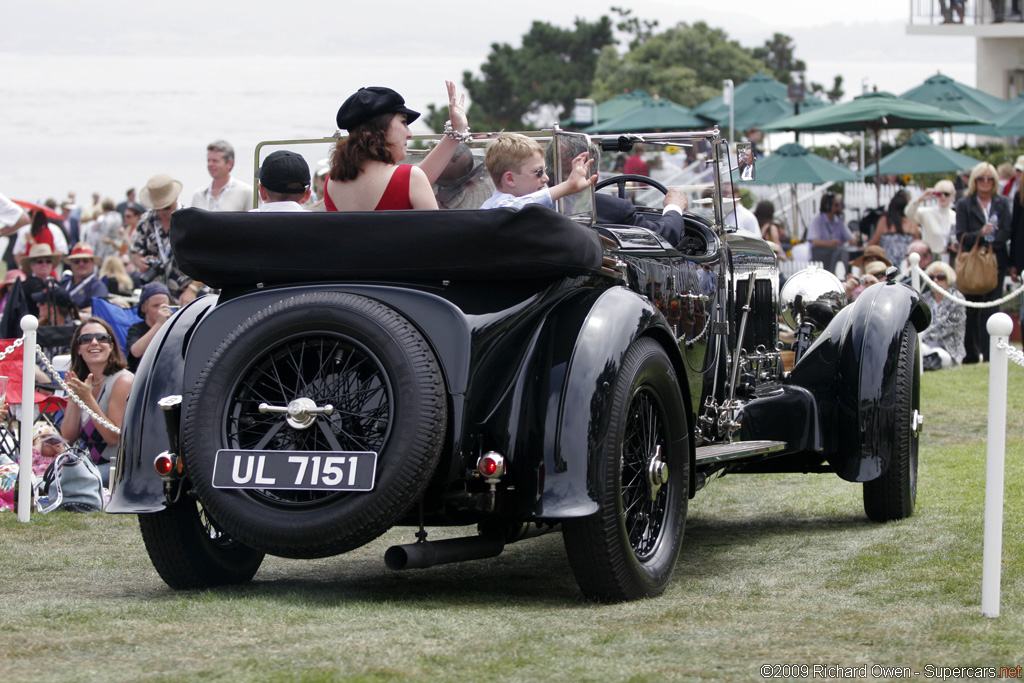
{"type": "Point", "coordinates": [366, 142]}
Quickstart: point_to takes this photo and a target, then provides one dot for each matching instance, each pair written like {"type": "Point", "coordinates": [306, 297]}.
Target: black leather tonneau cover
{"type": "Point", "coordinates": [225, 249]}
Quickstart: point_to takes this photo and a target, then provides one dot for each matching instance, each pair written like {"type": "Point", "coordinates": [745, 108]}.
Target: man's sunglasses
{"type": "Point", "coordinates": [47, 261]}
{"type": "Point", "coordinates": [90, 338]}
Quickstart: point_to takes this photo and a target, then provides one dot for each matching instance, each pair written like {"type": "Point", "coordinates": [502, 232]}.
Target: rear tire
{"type": "Point", "coordinates": [628, 549]}
{"type": "Point", "coordinates": [893, 495]}
{"type": "Point", "coordinates": [189, 551]}
{"type": "Point", "coordinates": [354, 353]}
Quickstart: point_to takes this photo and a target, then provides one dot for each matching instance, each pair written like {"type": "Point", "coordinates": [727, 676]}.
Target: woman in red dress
{"type": "Point", "coordinates": [366, 170]}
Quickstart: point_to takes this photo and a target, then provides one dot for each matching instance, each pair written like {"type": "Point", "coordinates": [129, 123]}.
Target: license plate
{"type": "Point", "coordinates": [295, 470]}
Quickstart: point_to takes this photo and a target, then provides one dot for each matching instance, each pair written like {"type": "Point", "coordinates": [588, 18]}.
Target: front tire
{"type": "Point", "coordinates": [189, 551]}
{"type": "Point", "coordinates": [628, 549]}
{"type": "Point", "coordinates": [893, 495]}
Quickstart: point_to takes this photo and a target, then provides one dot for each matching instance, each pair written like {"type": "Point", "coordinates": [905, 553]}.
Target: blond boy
{"type": "Point", "coordinates": [516, 165]}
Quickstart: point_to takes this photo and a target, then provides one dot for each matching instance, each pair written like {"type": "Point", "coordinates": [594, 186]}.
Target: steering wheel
{"type": "Point", "coordinates": [621, 181]}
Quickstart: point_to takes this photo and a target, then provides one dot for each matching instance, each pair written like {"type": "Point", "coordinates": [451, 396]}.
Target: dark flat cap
{"type": "Point", "coordinates": [367, 103]}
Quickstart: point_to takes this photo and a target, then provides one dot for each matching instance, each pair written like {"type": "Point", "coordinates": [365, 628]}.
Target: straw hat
{"type": "Point", "coordinates": [872, 252]}
{"type": "Point", "coordinates": [160, 192]}
{"type": "Point", "coordinates": [80, 252]}
{"type": "Point", "coordinates": [40, 251]}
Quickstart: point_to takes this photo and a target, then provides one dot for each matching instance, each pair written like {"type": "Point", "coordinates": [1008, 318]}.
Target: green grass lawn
{"type": "Point", "coordinates": [776, 569]}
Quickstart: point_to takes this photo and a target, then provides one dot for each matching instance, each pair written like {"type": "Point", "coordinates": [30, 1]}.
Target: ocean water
{"type": "Point", "coordinates": [105, 123]}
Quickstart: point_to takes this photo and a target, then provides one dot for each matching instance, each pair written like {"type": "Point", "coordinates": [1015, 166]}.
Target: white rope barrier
{"type": "Point", "coordinates": [918, 275]}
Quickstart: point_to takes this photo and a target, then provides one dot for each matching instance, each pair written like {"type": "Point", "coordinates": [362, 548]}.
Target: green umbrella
{"type": "Point", "coordinates": [758, 101]}
{"type": "Point", "coordinates": [652, 115]}
{"type": "Point", "coordinates": [950, 95]}
{"type": "Point", "coordinates": [921, 155]}
{"type": "Point", "coordinates": [794, 163]}
{"type": "Point", "coordinates": [1011, 122]}
{"type": "Point", "coordinates": [874, 111]}
{"type": "Point", "coordinates": [616, 106]}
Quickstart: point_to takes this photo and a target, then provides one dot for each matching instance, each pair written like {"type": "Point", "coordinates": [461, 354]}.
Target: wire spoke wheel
{"type": "Point", "coordinates": [329, 370]}
{"type": "Point", "coordinates": [643, 515]}
{"type": "Point", "coordinates": [320, 371]}
{"type": "Point", "coordinates": [628, 549]}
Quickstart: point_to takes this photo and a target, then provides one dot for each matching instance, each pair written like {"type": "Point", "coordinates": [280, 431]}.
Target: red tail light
{"type": "Point", "coordinates": [491, 465]}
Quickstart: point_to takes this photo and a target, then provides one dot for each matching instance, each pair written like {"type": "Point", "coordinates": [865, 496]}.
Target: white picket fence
{"type": "Point", "coordinates": [798, 204]}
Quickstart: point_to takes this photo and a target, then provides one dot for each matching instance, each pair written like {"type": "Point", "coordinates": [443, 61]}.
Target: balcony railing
{"type": "Point", "coordinates": [971, 12]}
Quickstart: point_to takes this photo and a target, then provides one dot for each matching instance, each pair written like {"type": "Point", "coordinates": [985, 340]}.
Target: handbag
{"type": "Point", "coordinates": [73, 483]}
{"type": "Point", "coordinates": [976, 270]}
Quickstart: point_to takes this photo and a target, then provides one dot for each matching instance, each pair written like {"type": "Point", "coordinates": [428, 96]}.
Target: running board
{"type": "Point", "coordinates": [738, 450]}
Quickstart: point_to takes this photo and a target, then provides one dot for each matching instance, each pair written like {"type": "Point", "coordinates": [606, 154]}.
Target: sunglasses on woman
{"type": "Point", "coordinates": [938, 276]}
{"type": "Point", "coordinates": [90, 338]}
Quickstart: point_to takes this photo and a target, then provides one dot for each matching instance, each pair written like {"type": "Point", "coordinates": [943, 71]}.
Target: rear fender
{"type": "Point", "coordinates": [137, 486]}
{"type": "Point", "coordinates": [576, 413]}
{"type": "Point", "coordinates": [851, 371]}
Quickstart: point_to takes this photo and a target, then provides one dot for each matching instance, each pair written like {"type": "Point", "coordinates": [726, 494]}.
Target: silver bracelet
{"type": "Point", "coordinates": [456, 135]}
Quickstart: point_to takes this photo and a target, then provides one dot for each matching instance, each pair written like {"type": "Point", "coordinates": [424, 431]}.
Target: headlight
{"type": "Point", "coordinates": [813, 295]}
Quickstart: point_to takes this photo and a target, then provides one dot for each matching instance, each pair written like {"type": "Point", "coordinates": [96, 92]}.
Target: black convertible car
{"type": "Point", "coordinates": [522, 372]}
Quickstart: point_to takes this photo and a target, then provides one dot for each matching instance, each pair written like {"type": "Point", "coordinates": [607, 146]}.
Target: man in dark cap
{"type": "Point", "coordinates": [284, 182]}
{"type": "Point", "coordinates": [155, 310]}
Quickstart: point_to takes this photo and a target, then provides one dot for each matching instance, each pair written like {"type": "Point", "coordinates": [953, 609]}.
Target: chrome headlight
{"type": "Point", "coordinates": [813, 295]}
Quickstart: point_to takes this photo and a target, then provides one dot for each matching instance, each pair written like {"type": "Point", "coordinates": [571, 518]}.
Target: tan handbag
{"type": "Point", "coordinates": [976, 270]}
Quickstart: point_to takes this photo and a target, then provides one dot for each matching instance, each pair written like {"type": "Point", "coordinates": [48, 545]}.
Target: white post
{"type": "Point", "coordinates": [28, 401]}
{"type": "Point", "coordinates": [999, 327]}
{"type": "Point", "coordinates": [915, 274]}
{"type": "Point", "coordinates": [727, 98]}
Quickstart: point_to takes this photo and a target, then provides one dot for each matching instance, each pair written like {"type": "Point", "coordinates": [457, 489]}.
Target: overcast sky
{"type": "Point", "coordinates": [425, 30]}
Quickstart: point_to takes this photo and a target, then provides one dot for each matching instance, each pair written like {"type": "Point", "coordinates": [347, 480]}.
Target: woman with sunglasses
{"type": "Point", "coordinates": [942, 342]}
{"type": "Point", "coordinates": [983, 214]}
{"type": "Point", "coordinates": [366, 166]}
{"type": "Point", "coordinates": [936, 220]}
{"type": "Point", "coordinates": [97, 376]}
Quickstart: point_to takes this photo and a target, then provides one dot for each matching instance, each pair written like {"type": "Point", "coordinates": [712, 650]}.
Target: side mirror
{"type": "Point", "coordinates": [745, 162]}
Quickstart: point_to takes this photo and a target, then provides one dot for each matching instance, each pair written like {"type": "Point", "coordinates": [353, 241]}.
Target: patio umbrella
{"type": "Point", "coordinates": [616, 106]}
{"type": "Point", "coordinates": [945, 93]}
{"type": "Point", "coordinates": [758, 101]}
{"type": "Point", "coordinates": [794, 163]}
{"type": "Point", "coordinates": [874, 111]}
{"type": "Point", "coordinates": [652, 115]}
{"type": "Point", "coordinates": [1011, 122]}
{"type": "Point", "coordinates": [921, 155]}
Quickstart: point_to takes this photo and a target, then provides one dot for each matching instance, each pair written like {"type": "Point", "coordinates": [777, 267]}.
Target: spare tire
{"type": "Point", "coordinates": [387, 391]}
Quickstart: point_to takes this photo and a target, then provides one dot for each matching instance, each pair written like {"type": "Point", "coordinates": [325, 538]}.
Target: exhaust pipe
{"type": "Point", "coordinates": [429, 553]}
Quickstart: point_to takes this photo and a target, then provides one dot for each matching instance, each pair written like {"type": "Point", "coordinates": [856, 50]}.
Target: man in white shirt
{"type": "Point", "coordinates": [740, 217]}
{"type": "Point", "coordinates": [224, 193]}
{"type": "Point", "coordinates": [284, 182]}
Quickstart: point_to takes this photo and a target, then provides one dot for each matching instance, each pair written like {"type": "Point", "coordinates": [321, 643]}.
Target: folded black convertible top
{"type": "Point", "coordinates": [225, 249]}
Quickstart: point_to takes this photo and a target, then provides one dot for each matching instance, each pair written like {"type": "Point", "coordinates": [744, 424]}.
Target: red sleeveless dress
{"type": "Point", "coordinates": [396, 194]}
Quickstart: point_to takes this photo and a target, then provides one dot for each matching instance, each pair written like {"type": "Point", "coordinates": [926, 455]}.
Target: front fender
{"type": "Point", "coordinates": [137, 486]}
{"type": "Point", "coordinates": [850, 369]}
{"type": "Point", "coordinates": [576, 422]}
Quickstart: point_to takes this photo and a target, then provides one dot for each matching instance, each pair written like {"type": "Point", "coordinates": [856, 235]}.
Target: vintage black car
{"type": "Point", "coordinates": [522, 372]}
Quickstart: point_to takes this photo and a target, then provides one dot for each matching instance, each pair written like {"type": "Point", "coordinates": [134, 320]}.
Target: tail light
{"type": "Point", "coordinates": [491, 465]}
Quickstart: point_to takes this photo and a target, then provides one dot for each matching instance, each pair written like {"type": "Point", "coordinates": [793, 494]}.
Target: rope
{"type": "Point", "coordinates": [1012, 353]}
{"type": "Point", "coordinates": [964, 302]}
{"type": "Point", "coordinates": [73, 396]}
{"type": "Point", "coordinates": [15, 344]}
